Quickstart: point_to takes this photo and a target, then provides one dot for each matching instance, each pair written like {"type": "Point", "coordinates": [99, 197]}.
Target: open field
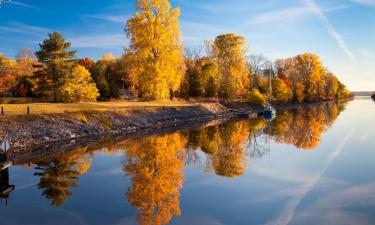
{"type": "Point", "coordinates": [44, 108]}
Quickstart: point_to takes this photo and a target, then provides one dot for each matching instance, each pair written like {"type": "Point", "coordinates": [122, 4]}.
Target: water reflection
{"type": "Point", "coordinates": [59, 175]}
{"type": "Point", "coordinates": [155, 164]}
{"type": "Point", "coordinates": [303, 127]}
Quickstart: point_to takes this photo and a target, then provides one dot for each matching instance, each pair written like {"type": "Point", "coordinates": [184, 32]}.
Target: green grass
{"type": "Point", "coordinates": [48, 108]}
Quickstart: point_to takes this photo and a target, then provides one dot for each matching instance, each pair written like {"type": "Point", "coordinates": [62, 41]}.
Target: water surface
{"type": "Point", "coordinates": [310, 165]}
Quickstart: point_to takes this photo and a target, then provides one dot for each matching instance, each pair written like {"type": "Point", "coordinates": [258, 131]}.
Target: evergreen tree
{"type": "Point", "coordinates": [57, 63]}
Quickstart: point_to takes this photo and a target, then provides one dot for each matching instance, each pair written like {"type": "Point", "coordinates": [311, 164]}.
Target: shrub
{"type": "Point", "coordinates": [256, 98]}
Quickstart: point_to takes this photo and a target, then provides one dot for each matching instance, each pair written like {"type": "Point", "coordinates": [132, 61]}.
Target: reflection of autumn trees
{"type": "Point", "coordinates": [155, 165]}
{"type": "Point", "coordinates": [225, 147]}
{"type": "Point", "coordinates": [59, 175]}
{"type": "Point", "coordinates": [303, 127]}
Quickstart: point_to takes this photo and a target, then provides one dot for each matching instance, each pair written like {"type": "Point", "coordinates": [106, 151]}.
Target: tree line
{"type": "Point", "coordinates": [156, 66]}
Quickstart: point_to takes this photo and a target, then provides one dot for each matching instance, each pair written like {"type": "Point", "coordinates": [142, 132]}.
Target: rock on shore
{"type": "Point", "coordinates": [30, 131]}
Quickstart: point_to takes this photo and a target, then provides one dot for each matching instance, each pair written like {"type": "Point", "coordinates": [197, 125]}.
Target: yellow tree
{"type": "Point", "coordinates": [229, 51]}
{"type": "Point", "coordinates": [156, 47]}
{"type": "Point", "coordinates": [281, 93]}
{"type": "Point", "coordinates": [332, 86]}
{"type": "Point", "coordinates": [312, 72]}
{"type": "Point", "coordinates": [79, 86]}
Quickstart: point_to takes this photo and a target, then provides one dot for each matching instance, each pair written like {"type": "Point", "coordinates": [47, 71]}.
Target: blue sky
{"type": "Point", "coordinates": [342, 32]}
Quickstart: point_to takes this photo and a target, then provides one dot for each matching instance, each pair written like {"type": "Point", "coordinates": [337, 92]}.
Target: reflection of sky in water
{"type": "Point", "coordinates": [330, 184]}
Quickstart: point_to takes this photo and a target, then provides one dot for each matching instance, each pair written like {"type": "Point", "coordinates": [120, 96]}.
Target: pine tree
{"type": "Point", "coordinates": [57, 63]}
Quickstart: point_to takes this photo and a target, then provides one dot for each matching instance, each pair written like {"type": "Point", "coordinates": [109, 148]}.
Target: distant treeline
{"type": "Point", "coordinates": [156, 66]}
{"type": "Point", "coordinates": [363, 93]}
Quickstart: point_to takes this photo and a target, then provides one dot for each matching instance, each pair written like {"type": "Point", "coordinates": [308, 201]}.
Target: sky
{"type": "Point", "coordinates": [341, 32]}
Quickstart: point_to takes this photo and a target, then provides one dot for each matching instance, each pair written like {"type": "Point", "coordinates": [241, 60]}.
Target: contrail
{"type": "Point", "coordinates": [287, 214]}
{"type": "Point", "coordinates": [313, 6]}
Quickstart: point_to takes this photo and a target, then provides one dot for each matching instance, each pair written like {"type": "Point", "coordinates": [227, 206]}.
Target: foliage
{"type": "Point", "coordinates": [281, 93]}
{"type": "Point", "coordinates": [79, 86]}
{"type": "Point", "coordinates": [57, 64]}
{"type": "Point", "coordinates": [229, 52]}
{"type": "Point", "coordinates": [256, 98]}
{"type": "Point", "coordinates": [154, 66]}
{"type": "Point", "coordinates": [156, 48]}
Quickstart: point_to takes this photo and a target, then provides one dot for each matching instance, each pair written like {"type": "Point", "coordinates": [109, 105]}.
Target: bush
{"type": "Point", "coordinates": [256, 98]}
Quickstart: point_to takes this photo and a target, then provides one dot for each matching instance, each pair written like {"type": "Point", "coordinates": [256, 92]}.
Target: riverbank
{"type": "Point", "coordinates": [32, 131]}
{"type": "Point", "coordinates": [28, 132]}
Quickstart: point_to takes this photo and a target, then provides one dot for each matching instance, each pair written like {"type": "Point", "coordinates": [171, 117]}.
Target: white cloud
{"type": "Point", "coordinates": [292, 14]}
{"type": "Point", "coordinates": [367, 53]}
{"type": "Point", "coordinates": [313, 6]}
{"type": "Point", "coordinates": [99, 41]}
{"type": "Point", "coordinates": [283, 15]}
{"type": "Point", "coordinates": [23, 5]}
{"type": "Point", "coordinates": [111, 18]}
{"type": "Point", "coordinates": [365, 2]}
{"type": "Point", "coordinates": [25, 29]}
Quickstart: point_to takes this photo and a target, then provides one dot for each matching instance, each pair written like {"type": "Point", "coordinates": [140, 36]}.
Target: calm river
{"type": "Point", "coordinates": [310, 165]}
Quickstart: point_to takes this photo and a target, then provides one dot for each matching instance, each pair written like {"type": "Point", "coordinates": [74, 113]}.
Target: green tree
{"type": "Point", "coordinates": [99, 74]}
{"type": "Point", "coordinates": [57, 64]}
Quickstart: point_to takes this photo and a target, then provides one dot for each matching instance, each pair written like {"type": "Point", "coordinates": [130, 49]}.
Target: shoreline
{"type": "Point", "coordinates": [28, 132]}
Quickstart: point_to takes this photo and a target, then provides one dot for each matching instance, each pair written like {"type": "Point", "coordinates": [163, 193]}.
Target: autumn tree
{"type": "Point", "coordinates": [281, 93]}
{"type": "Point", "coordinates": [210, 72]}
{"type": "Point", "coordinates": [312, 71]}
{"type": "Point", "coordinates": [27, 66]}
{"type": "Point", "coordinates": [79, 86]}
{"type": "Point", "coordinates": [332, 86]}
{"type": "Point", "coordinates": [87, 62]}
{"type": "Point", "coordinates": [57, 63]}
{"type": "Point", "coordinates": [256, 65]}
{"type": "Point", "coordinates": [156, 46]}
{"type": "Point", "coordinates": [229, 51]}
{"type": "Point", "coordinates": [107, 73]}
{"type": "Point", "coordinates": [7, 74]}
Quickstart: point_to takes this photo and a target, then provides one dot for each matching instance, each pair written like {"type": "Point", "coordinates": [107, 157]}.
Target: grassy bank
{"type": "Point", "coordinates": [29, 131]}
{"type": "Point", "coordinates": [53, 108]}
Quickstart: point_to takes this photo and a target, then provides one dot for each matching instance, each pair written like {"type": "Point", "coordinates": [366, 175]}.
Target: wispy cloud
{"type": "Point", "coordinates": [23, 5]}
{"type": "Point", "coordinates": [111, 18]}
{"type": "Point", "coordinates": [25, 29]}
{"type": "Point", "coordinates": [313, 6]}
{"type": "Point", "coordinates": [365, 2]}
{"type": "Point", "coordinates": [291, 14]}
{"type": "Point", "coordinates": [367, 53]}
{"type": "Point", "coordinates": [283, 15]}
{"type": "Point", "coordinates": [99, 41]}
